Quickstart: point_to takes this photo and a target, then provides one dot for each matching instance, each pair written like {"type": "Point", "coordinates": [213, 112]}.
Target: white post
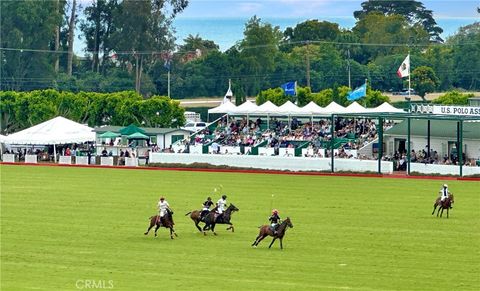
{"type": "Point", "coordinates": [168, 78]}
{"type": "Point", "coordinates": [54, 153]}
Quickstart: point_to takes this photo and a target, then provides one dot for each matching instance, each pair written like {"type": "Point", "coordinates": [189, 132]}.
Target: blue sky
{"type": "Point", "coordinates": [450, 14]}
{"type": "Point", "coordinates": [313, 8]}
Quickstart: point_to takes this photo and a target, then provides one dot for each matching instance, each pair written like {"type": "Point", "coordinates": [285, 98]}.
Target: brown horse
{"type": "Point", "coordinates": [195, 216]}
{"type": "Point", "coordinates": [266, 230]}
{"type": "Point", "coordinates": [166, 222]}
{"type": "Point", "coordinates": [212, 218]}
{"type": "Point", "coordinates": [446, 204]}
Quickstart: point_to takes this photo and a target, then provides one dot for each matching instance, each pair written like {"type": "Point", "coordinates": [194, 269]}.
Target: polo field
{"type": "Point", "coordinates": [79, 228]}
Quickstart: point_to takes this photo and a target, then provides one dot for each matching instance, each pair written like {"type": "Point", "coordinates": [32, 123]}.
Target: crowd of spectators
{"type": "Point", "coordinates": [282, 134]}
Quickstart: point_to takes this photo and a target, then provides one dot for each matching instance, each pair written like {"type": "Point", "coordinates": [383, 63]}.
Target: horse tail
{"type": "Point", "coordinates": [150, 218]}
{"type": "Point", "coordinates": [188, 213]}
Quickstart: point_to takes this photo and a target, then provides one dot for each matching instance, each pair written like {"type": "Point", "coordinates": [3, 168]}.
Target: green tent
{"type": "Point", "coordinates": [109, 134]}
{"type": "Point", "coordinates": [131, 129]}
{"type": "Point", "coordinates": [137, 135]}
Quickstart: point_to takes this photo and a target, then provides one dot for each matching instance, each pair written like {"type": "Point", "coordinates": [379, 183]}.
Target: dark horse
{"type": "Point", "coordinates": [166, 222]}
{"type": "Point", "coordinates": [266, 230]}
{"type": "Point", "coordinates": [446, 204]}
{"type": "Point", "coordinates": [211, 219]}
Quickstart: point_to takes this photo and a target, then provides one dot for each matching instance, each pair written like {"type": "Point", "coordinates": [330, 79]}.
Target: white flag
{"type": "Point", "coordinates": [404, 70]}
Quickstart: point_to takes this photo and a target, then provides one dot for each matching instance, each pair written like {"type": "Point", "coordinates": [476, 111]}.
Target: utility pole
{"type": "Point", "coordinates": [308, 64]}
{"type": "Point", "coordinates": [348, 65]}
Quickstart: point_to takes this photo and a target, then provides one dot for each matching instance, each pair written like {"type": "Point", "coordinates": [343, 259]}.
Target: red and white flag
{"type": "Point", "coordinates": [404, 70]}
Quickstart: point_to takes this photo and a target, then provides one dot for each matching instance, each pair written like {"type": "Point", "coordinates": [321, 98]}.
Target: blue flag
{"type": "Point", "coordinates": [289, 88]}
{"type": "Point", "coordinates": [358, 93]}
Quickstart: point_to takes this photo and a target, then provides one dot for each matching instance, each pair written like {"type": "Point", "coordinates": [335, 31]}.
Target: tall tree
{"type": "Point", "coordinates": [27, 30]}
{"type": "Point", "coordinates": [413, 11]}
{"type": "Point", "coordinates": [312, 30]}
{"type": "Point", "coordinates": [258, 50]}
{"type": "Point", "coordinates": [466, 56]}
{"type": "Point", "coordinates": [142, 28]}
{"type": "Point", "coordinates": [424, 80]}
{"type": "Point", "coordinates": [71, 36]}
{"type": "Point", "coordinates": [387, 35]}
{"type": "Point", "coordinates": [97, 29]}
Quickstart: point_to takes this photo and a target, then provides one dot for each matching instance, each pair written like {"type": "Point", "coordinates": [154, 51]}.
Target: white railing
{"type": "Point", "coordinates": [273, 163]}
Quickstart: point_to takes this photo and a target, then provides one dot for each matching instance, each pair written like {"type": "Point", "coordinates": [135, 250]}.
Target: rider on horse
{"type": "Point", "coordinates": [274, 221]}
{"type": "Point", "coordinates": [163, 208]}
{"type": "Point", "coordinates": [221, 203]}
{"type": "Point", "coordinates": [444, 193]}
{"type": "Point", "coordinates": [206, 208]}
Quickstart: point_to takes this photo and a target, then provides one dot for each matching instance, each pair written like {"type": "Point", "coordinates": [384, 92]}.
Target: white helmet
{"type": "Point", "coordinates": [445, 186]}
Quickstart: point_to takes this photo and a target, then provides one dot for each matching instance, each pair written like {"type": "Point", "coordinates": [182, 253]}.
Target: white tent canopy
{"type": "Point", "coordinates": [248, 107]}
{"type": "Point", "coordinates": [385, 107]}
{"type": "Point", "coordinates": [356, 108]}
{"type": "Point", "coordinates": [227, 107]}
{"type": "Point", "coordinates": [288, 108]}
{"type": "Point", "coordinates": [312, 108]}
{"type": "Point", "coordinates": [58, 130]}
{"type": "Point", "coordinates": [267, 108]}
{"type": "Point", "coordinates": [3, 138]}
{"type": "Point", "coordinates": [334, 107]}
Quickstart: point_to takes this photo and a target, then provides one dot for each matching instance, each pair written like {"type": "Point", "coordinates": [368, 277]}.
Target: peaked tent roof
{"type": "Point", "coordinates": [334, 107]}
{"type": "Point", "coordinates": [267, 108]}
{"type": "Point", "coordinates": [137, 135]}
{"type": "Point", "coordinates": [248, 107]}
{"type": "Point", "coordinates": [385, 107]}
{"type": "Point", "coordinates": [312, 108]}
{"type": "Point", "coordinates": [288, 108]}
{"type": "Point", "coordinates": [227, 107]}
{"type": "Point", "coordinates": [109, 134]}
{"type": "Point", "coordinates": [131, 129]}
{"type": "Point", "coordinates": [58, 130]}
{"type": "Point", "coordinates": [356, 108]}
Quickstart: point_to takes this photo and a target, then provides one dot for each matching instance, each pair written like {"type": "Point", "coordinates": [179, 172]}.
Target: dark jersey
{"type": "Point", "coordinates": [207, 204]}
{"type": "Point", "coordinates": [274, 218]}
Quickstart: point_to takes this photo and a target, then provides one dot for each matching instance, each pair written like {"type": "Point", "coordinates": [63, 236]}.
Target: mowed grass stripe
{"type": "Point", "coordinates": [60, 225]}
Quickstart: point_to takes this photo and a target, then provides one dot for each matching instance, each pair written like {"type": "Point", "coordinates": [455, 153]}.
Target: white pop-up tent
{"type": "Point", "coordinates": [58, 130]}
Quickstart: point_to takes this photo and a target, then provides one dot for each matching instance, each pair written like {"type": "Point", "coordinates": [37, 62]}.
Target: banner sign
{"type": "Point", "coordinates": [456, 110]}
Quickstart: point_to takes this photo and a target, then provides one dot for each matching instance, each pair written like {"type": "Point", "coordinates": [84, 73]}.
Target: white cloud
{"type": "Point", "coordinates": [249, 7]}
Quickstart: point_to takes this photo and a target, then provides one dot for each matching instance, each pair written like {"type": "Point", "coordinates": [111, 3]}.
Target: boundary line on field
{"type": "Point", "coordinates": [255, 171]}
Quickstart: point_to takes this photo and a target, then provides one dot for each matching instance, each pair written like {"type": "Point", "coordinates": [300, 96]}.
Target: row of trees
{"type": "Point", "coordinates": [129, 44]}
{"type": "Point", "coordinates": [19, 110]}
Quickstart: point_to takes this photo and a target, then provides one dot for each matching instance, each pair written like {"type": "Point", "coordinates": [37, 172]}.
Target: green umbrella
{"type": "Point", "coordinates": [131, 129]}
{"type": "Point", "coordinates": [137, 135]}
{"type": "Point", "coordinates": [109, 134]}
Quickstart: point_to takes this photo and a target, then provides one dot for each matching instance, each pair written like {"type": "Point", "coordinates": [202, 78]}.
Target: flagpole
{"type": "Point", "coordinates": [168, 78]}
{"type": "Point", "coordinates": [409, 97]}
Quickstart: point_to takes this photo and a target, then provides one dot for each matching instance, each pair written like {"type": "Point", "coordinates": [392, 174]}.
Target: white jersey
{"type": "Point", "coordinates": [162, 207]}
{"type": "Point", "coordinates": [444, 194]}
{"type": "Point", "coordinates": [221, 205]}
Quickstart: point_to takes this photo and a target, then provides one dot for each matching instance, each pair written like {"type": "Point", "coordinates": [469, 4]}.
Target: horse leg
{"type": "Point", "coordinates": [434, 207]}
{"type": "Point", "coordinates": [441, 213]}
{"type": "Point", "coordinates": [148, 230]}
{"type": "Point", "coordinates": [231, 227]}
{"type": "Point", "coordinates": [438, 211]}
{"type": "Point", "coordinates": [447, 211]}
{"type": "Point", "coordinates": [281, 244]}
{"type": "Point", "coordinates": [274, 238]}
{"type": "Point", "coordinates": [213, 229]}
{"type": "Point", "coordinates": [198, 227]}
{"type": "Point", "coordinates": [156, 228]}
{"type": "Point", "coordinates": [171, 232]}
{"type": "Point", "coordinates": [260, 237]}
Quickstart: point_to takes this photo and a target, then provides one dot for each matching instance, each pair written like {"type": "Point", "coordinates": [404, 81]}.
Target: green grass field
{"type": "Point", "coordinates": [63, 226]}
